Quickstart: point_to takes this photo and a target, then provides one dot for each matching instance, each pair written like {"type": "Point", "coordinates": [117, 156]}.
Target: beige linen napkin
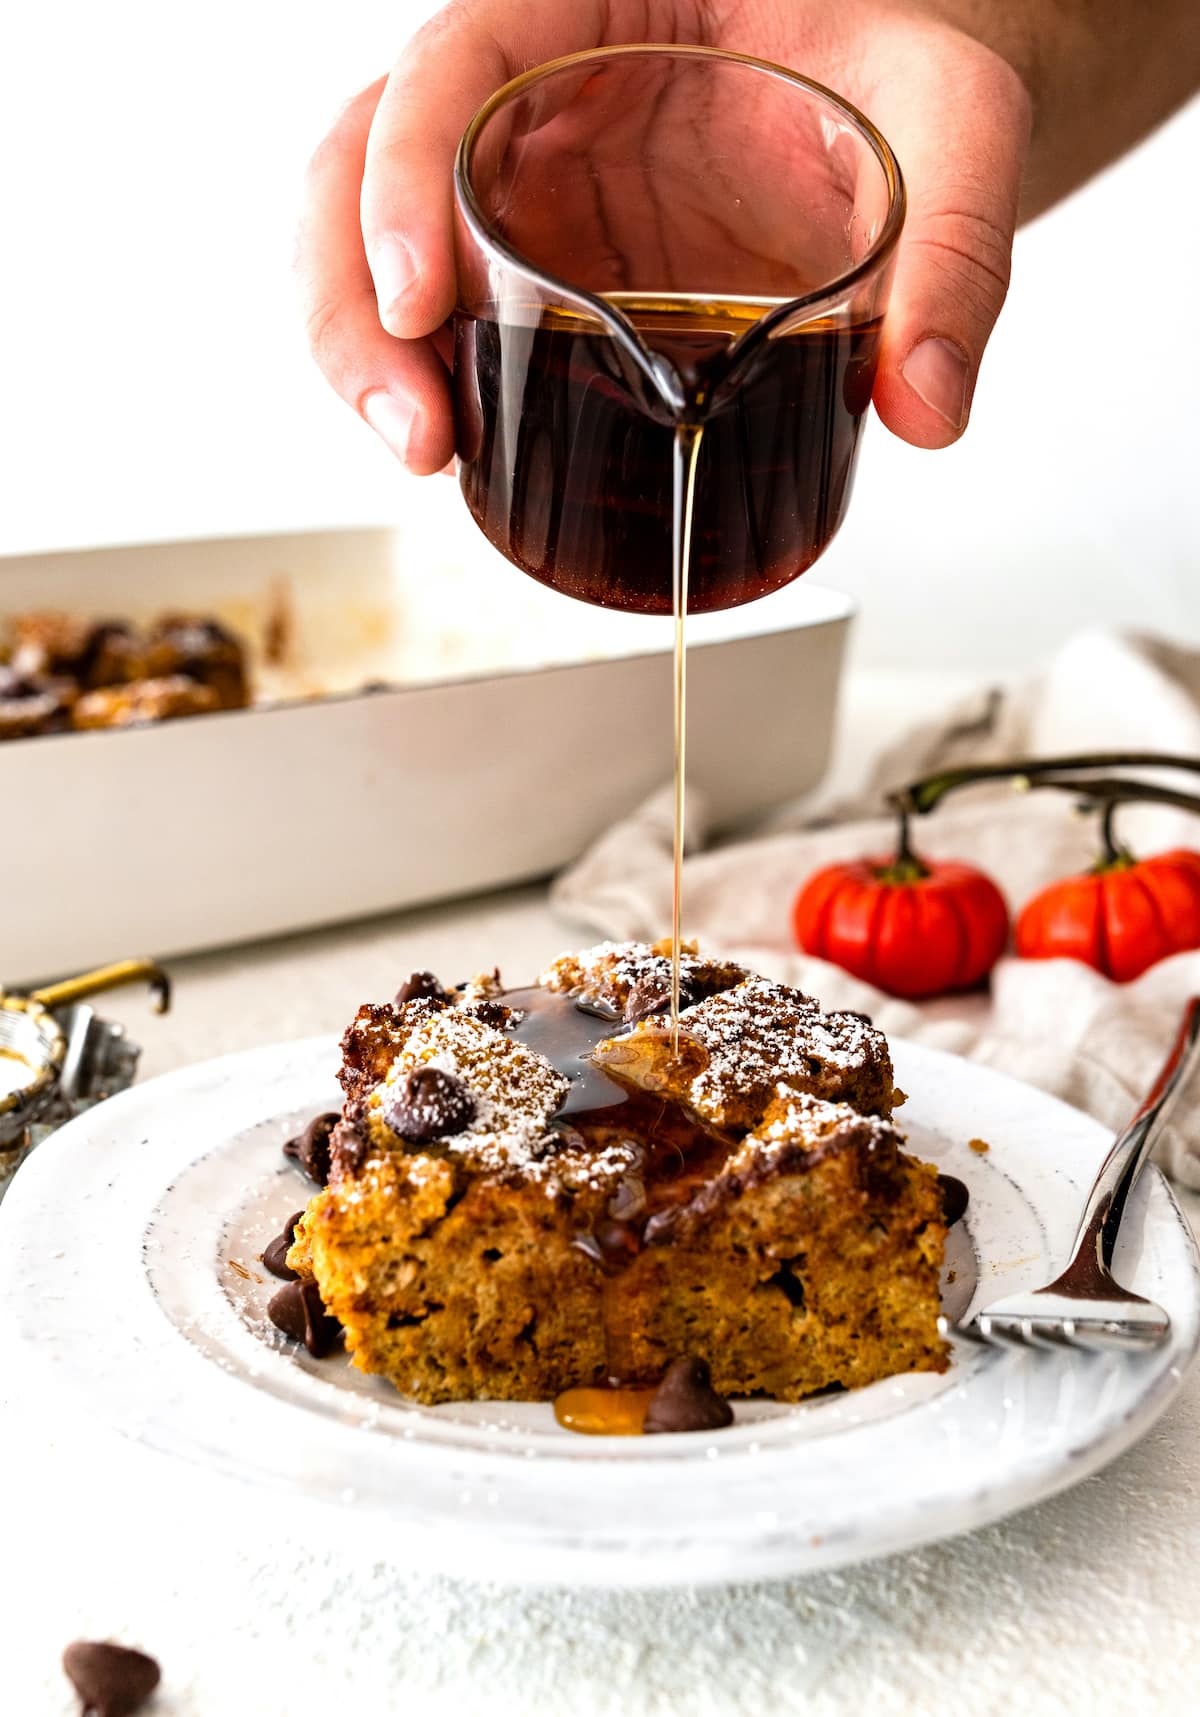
{"type": "Point", "coordinates": [1055, 1023]}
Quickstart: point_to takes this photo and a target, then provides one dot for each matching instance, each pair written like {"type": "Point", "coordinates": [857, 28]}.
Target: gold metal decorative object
{"type": "Point", "coordinates": [57, 1056]}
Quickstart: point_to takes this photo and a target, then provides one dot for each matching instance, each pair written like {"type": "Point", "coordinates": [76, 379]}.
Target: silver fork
{"type": "Point", "coordinates": [1085, 1307]}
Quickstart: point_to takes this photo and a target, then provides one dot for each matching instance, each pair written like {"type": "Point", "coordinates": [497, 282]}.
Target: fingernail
{"type": "Point", "coordinates": [393, 269]}
{"type": "Point", "coordinates": [392, 420]}
{"type": "Point", "coordinates": [937, 371]}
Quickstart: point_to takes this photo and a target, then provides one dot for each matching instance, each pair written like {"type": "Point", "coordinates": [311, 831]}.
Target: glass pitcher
{"type": "Point", "coordinates": [656, 235]}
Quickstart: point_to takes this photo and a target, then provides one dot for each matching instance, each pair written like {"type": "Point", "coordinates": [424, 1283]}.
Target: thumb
{"type": "Point", "coordinates": [959, 122]}
{"type": "Point", "coordinates": [447, 71]}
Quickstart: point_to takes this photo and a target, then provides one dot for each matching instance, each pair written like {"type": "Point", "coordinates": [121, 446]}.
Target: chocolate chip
{"type": "Point", "coordinates": [685, 1400]}
{"type": "Point", "coordinates": [275, 1256]}
{"type": "Point", "coordinates": [490, 1013]}
{"type": "Point", "coordinates": [299, 1311]}
{"type": "Point", "coordinates": [618, 1243]}
{"type": "Point", "coordinates": [430, 1104]}
{"type": "Point", "coordinates": [288, 1312]}
{"type": "Point", "coordinates": [111, 1680]}
{"type": "Point", "coordinates": [652, 995]}
{"type": "Point", "coordinates": [418, 985]}
{"type": "Point", "coordinates": [311, 1147]}
{"type": "Point", "coordinates": [347, 1151]}
{"type": "Point", "coordinates": [955, 1198]}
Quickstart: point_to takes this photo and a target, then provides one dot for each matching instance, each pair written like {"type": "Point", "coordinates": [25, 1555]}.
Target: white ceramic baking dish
{"type": "Point", "coordinates": [508, 727]}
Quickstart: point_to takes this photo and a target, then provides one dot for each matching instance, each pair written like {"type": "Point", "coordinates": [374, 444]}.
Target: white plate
{"type": "Point", "coordinates": [133, 1293]}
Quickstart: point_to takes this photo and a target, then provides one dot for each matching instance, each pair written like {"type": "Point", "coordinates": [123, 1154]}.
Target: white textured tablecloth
{"type": "Point", "coordinates": [1089, 1603]}
{"type": "Point", "coordinates": [1055, 1023]}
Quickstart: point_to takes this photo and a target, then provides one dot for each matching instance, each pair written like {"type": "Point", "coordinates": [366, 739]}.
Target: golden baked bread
{"type": "Point", "coordinates": [202, 650]}
{"type": "Point", "coordinates": [58, 671]}
{"type": "Point", "coordinates": [531, 1190]}
{"type": "Point", "coordinates": [142, 701]}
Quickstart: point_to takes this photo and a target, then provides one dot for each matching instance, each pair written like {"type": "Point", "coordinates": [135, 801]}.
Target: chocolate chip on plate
{"type": "Point", "coordinates": [429, 1104]}
{"type": "Point", "coordinates": [955, 1198]}
{"type": "Point", "coordinates": [111, 1680]}
{"type": "Point", "coordinates": [311, 1147]}
{"type": "Point", "coordinates": [275, 1255]}
{"type": "Point", "coordinates": [685, 1400]}
{"type": "Point", "coordinates": [490, 1013]}
{"type": "Point", "coordinates": [420, 986]}
{"type": "Point", "coordinates": [652, 995]}
{"type": "Point", "coordinates": [299, 1311]}
{"type": "Point", "coordinates": [347, 1150]}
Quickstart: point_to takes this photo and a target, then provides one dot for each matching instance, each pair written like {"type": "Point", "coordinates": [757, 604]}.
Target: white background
{"type": "Point", "coordinates": [154, 382]}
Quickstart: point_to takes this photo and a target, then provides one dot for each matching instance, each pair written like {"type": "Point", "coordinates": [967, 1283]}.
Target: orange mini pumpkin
{"type": "Point", "coordinates": [909, 926]}
{"type": "Point", "coordinates": [1121, 917]}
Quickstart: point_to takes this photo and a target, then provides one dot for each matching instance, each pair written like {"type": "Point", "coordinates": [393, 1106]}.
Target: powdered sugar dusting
{"type": "Point", "coordinates": [516, 1091]}
{"type": "Point", "coordinates": [573, 971]}
{"type": "Point", "coordinates": [609, 970]}
{"type": "Point", "coordinates": [795, 1118]}
{"type": "Point", "coordinates": [595, 1170]}
{"type": "Point", "coordinates": [761, 1036]}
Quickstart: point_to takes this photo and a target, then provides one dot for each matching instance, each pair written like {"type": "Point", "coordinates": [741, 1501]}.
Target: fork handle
{"type": "Point", "coordinates": [1106, 1202]}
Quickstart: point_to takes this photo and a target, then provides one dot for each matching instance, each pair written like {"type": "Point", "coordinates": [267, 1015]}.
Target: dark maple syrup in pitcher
{"type": "Point", "coordinates": [683, 475]}
{"type": "Point", "coordinates": [566, 447]}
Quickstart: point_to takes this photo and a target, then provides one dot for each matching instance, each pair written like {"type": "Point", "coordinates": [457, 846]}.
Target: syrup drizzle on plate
{"type": "Point", "coordinates": [603, 1410]}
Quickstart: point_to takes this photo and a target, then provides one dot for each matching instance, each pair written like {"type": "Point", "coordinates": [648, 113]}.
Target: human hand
{"type": "Point", "coordinates": [376, 254]}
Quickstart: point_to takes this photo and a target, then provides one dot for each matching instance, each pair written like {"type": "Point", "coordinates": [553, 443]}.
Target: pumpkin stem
{"type": "Point", "coordinates": [1113, 856]}
{"type": "Point", "coordinates": [1113, 790]}
{"type": "Point", "coordinates": [1055, 774]}
{"type": "Point", "coordinates": [906, 866]}
{"type": "Point", "coordinates": [921, 797]}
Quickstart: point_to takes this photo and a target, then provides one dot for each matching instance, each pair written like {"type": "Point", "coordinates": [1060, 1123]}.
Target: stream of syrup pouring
{"type": "Point", "coordinates": [686, 453]}
{"type": "Point", "coordinates": [614, 1409]}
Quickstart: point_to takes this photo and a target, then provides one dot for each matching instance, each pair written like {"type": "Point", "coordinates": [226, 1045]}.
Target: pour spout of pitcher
{"type": "Point", "coordinates": [668, 388]}
{"type": "Point", "coordinates": [666, 379]}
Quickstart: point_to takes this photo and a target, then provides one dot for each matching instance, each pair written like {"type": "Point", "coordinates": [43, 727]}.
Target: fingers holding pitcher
{"type": "Point", "coordinates": [401, 388]}
{"type": "Point", "coordinates": [443, 77]}
{"type": "Point", "coordinates": [376, 249]}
